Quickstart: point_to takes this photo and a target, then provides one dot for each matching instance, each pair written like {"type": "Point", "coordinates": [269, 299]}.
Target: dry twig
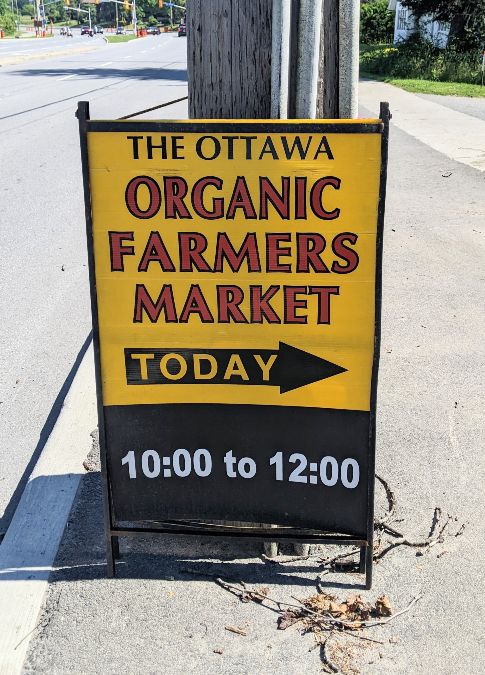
{"type": "Point", "coordinates": [391, 502]}
{"type": "Point", "coordinates": [236, 629]}
{"type": "Point", "coordinates": [326, 660]}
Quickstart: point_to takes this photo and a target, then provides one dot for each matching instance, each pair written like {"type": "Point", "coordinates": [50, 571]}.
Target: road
{"type": "Point", "coordinates": [26, 48]}
{"type": "Point", "coordinates": [44, 300]}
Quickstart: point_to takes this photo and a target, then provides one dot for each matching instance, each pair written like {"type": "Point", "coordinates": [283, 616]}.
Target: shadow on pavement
{"type": "Point", "coordinates": [44, 435]}
{"type": "Point", "coordinates": [82, 553]}
{"type": "Point", "coordinates": [94, 73]}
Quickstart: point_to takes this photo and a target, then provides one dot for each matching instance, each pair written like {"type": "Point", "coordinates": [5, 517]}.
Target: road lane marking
{"type": "Point", "coordinates": [128, 57]}
{"type": "Point", "coordinates": [66, 77]}
{"type": "Point", "coordinates": [107, 63]}
{"type": "Point", "coordinates": [30, 545]}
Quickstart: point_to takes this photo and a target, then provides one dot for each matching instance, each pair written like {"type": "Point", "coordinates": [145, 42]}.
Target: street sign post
{"type": "Point", "coordinates": [235, 283]}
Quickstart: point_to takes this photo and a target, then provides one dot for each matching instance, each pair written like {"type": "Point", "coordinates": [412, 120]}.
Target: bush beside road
{"type": "Point", "coordinates": [419, 67]}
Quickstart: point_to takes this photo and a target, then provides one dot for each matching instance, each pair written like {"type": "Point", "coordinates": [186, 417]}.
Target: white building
{"type": "Point", "coordinates": [406, 24]}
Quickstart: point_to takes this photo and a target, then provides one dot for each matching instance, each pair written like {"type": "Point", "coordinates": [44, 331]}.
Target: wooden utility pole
{"type": "Point", "coordinates": [328, 78]}
{"type": "Point", "coordinates": [229, 58]}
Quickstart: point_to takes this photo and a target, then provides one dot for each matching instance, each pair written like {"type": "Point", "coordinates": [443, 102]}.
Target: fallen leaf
{"type": "Point", "coordinates": [259, 594]}
{"type": "Point", "coordinates": [383, 606]}
{"type": "Point", "coordinates": [287, 619]}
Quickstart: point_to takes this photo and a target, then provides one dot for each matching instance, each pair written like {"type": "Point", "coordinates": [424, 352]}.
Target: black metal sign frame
{"type": "Point", "coordinates": [114, 530]}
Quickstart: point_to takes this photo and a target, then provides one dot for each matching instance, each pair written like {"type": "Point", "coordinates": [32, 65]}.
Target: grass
{"type": "Point", "coordinates": [432, 86]}
{"type": "Point", "coordinates": [120, 38]}
{"type": "Point", "coordinates": [419, 61]}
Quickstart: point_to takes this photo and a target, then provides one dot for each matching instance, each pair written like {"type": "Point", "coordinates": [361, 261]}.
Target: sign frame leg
{"type": "Point", "coordinates": [366, 561]}
{"type": "Point", "coordinates": [112, 545]}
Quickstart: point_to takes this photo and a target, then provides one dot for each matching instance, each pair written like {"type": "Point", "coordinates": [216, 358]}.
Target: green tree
{"type": "Point", "coordinates": [7, 18]}
{"type": "Point", "coordinates": [466, 19]}
{"type": "Point", "coordinates": [376, 22]}
{"type": "Point", "coordinates": [28, 10]}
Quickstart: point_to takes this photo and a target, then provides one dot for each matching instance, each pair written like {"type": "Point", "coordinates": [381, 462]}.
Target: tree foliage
{"type": "Point", "coordinates": [7, 18]}
{"type": "Point", "coordinates": [466, 19]}
{"type": "Point", "coordinates": [376, 22]}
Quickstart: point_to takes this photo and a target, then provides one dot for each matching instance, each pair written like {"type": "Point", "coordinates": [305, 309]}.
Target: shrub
{"type": "Point", "coordinates": [7, 22]}
{"type": "Point", "coordinates": [417, 59]}
{"type": "Point", "coordinates": [28, 10]}
{"type": "Point", "coordinates": [376, 22]}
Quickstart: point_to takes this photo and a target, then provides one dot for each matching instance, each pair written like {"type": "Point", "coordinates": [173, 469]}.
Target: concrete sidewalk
{"type": "Point", "coordinates": [456, 135]}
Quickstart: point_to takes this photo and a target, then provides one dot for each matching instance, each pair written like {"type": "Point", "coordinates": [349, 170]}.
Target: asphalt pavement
{"type": "Point", "coordinates": [44, 301]}
{"type": "Point", "coordinates": [19, 50]}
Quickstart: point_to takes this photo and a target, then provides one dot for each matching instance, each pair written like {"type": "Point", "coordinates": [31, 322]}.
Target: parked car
{"type": "Point", "coordinates": [182, 30]}
{"type": "Point", "coordinates": [153, 30]}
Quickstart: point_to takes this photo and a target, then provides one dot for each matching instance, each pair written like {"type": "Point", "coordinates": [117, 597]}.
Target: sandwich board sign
{"type": "Point", "coordinates": [235, 274]}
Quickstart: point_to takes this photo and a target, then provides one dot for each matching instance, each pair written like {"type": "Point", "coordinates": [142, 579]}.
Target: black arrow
{"type": "Point", "coordinates": [291, 369]}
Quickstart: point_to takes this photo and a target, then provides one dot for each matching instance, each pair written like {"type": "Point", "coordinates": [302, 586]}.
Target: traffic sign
{"type": "Point", "coordinates": [235, 280]}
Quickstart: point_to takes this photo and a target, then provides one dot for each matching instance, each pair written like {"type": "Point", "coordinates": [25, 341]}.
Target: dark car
{"type": "Point", "coordinates": [120, 31]}
{"type": "Point", "coordinates": [182, 30]}
{"type": "Point", "coordinates": [85, 30]}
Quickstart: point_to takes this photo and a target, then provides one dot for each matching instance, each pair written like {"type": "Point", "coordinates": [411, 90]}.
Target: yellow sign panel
{"type": "Point", "coordinates": [235, 262]}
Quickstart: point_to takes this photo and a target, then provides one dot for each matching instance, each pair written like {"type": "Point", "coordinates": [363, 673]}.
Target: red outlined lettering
{"type": "Point", "coordinates": [309, 247]}
{"type": "Point", "coordinates": [144, 302]}
{"type": "Point", "coordinates": [274, 252]}
{"type": "Point", "coordinates": [155, 251]}
{"type": "Point", "coordinates": [248, 251]}
{"type": "Point", "coordinates": [228, 300]}
{"type": "Point", "coordinates": [175, 189]}
{"type": "Point", "coordinates": [324, 293]}
{"type": "Point", "coordinates": [117, 251]}
{"type": "Point", "coordinates": [191, 247]}
{"type": "Point", "coordinates": [300, 197]}
{"type": "Point", "coordinates": [292, 303]}
{"type": "Point", "coordinates": [131, 197]}
{"type": "Point", "coordinates": [241, 199]}
{"type": "Point", "coordinates": [280, 201]}
{"type": "Point", "coordinates": [316, 197]}
{"type": "Point", "coordinates": [196, 304]}
{"type": "Point", "coordinates": [197, 198]}
{"type": "Point", "coordinates": [350, 256]}
{"type": "Point", "coordinates": [260, 307]}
